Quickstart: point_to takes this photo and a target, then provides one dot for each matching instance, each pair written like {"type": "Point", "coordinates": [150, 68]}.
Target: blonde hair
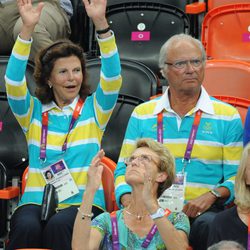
{"type": "Point", "coordinates": [242, 190]}
{"type": "Point", "coordinates": [166, 164]}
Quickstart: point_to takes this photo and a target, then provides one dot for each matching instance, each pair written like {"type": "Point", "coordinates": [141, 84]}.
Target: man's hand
{"type": "Point", "coordinates": [199, 205]}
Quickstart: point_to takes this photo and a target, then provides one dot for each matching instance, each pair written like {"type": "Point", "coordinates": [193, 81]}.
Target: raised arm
{"type": "Point", "coordinates": [82, 227]}
{"type": "Point", "coordinates": [96, 10]}
{"type": "Point", "coordinates": [30, 16]}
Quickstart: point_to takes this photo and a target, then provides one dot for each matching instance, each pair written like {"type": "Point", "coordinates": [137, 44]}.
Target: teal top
{"type": "Point", "coordinates": [128, 239]}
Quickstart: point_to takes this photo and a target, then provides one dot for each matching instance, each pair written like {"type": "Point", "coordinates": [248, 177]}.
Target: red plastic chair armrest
{"type": "Point", "coordinates": [196, 8]}
{"type": "Point", "coordinates": [9, 193]}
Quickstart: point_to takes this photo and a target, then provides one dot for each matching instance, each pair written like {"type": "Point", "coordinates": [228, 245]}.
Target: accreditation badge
{"type": "Point", "coordinates": [58, 174]}
{"type": "Point", "coordinates": [173, 197]}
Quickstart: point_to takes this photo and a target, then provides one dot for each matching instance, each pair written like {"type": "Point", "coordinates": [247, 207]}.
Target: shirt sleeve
{"type": "Point", "coordinates": [131, 135]}
{"type": "Point", "coordinates": [106, 94]}
{"type": "Point", "coordinates": [19, 98]}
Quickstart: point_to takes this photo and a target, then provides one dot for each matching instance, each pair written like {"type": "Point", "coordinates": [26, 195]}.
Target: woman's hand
{"type": "Point", "coordinates": [96, 10]}
{"type": "Point", "coordinates": [30, 16]}
{"type": "Point", "coordinates": [149, 194]}
{"type": "Point", "coordinates": [95, 171]}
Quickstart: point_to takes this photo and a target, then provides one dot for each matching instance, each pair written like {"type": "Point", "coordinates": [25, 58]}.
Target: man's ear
{"type": "Point", "coordinates": [162, 73]}
{"type": "Point", "coordinates": [161, 177]}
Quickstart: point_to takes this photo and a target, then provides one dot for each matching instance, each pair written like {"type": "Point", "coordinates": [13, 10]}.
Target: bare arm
{"type": "Point", "coordinates": [82, 234]}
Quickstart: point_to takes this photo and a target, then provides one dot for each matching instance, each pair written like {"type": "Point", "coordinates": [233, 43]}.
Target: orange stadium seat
{"type": "Point", "coordinates": [216, 3]}
{"type": "Point", "coordinates": [225, 32]}
{"type": "Point", "coordinates": [227, 77]}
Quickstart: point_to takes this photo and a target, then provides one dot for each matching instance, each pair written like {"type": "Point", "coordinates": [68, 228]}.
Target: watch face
{"type": "Point", "coordinates": [160, 212]}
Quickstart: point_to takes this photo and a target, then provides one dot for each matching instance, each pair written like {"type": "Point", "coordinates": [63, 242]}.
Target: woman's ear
{"type": "Point", "coordinates": [161, 177]}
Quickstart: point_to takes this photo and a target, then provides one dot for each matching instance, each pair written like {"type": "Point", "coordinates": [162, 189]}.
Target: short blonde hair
{"type": "Point", "coordinates": [242, 190]}
{"type": "Point", "coordinates": [166, 164]}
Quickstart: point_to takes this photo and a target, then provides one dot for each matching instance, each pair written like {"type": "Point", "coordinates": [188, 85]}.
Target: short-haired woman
{"type": "Point", "coordinates": [143, 224]}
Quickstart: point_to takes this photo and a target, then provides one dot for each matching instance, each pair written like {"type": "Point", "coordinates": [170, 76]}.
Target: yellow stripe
{"type": "Point", "coordinates": [224, 109]}
{"type": "Point", "coordinates": [127, 150]}
{"type": "Point", "coordinates": [119, 179]}
{"type": "Point", "coordinates": [111, 86]}
{"type": "Point", "coordinates": [35, 180]}
{"type": "Point", "coordinates": [146, 109]}
{"type": "Point", "coordinates": [21, 48]}
{"type": "Point", "coordinates": [107, 46]}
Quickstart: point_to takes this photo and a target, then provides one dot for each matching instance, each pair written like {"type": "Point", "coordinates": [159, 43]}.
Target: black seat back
{"type": "Point", "coordinates": [80, 25]}
{"type": "Point", "coordinates": [116, 128]}
{"type": "Point", "coordinates": [3, 203]}
{"type": "Point", "coordinates": [138, 79]}
{"type": "Point", "coordinates": [141, 28]}
{"type": "Point", "coordinates": [177, 3]}
{"type": "Point", "coordinates": [13, 146]}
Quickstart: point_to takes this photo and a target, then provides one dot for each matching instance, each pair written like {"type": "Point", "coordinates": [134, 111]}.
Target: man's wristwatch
{"type": "Point", "coordinates": [216, 193]}
{"type": "Point", "coordinates": [158, 214]}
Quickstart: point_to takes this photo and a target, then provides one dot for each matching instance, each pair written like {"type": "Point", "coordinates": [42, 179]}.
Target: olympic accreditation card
{"type": "Point", "coordinates": [173, 197]}
{"type": "Point", "coordinates": [59, 175]}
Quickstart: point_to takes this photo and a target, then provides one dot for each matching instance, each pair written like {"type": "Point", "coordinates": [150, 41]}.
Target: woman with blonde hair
{"type": "Point", "coordinates": [143, 224]}
{"type": "Point", "coordinates": [232, 224]}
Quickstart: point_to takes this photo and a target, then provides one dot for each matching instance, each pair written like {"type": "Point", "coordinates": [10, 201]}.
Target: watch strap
{"type": "Point", "coordinates": [160, 212]}
{"type": "Point", "coordinates": [216, 193]}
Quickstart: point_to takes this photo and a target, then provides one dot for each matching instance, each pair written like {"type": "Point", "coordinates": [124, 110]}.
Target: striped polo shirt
{"type": "Point", "coordinates": [84, 139]}
{"type": "Point", "coordinates": [217, 148]}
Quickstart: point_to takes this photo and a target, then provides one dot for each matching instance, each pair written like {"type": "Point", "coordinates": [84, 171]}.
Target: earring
{"type": "Point", "coordinates": [50, 85]}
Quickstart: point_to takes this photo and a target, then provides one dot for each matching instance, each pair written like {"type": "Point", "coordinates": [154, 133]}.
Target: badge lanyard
{"type": "Point", "coordinates": [191, 139]}
{"type": "Point", "coordinates": [44, 130]}
{"type": "Point", "coordinates": [115, 236]}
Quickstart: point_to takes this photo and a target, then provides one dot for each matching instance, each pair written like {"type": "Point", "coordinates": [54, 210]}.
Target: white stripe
{"type": "Point", "coordinates": [234, 144]}
{"type": "Point", "coordinates": [83, 187]}
{"type": "Point", "coordinates": [207, 162]}
{"type": "Point", "coordinates": [101, 109]}
{"type": "Point", "coordinates": [110, 79]}
{"type": "Point", "coordinates": [34, 189]}
{"type": "Point", "coordinates": [20, 57]}
{"type": "Point", "coordinates": [228, 162]}
{"type": "Point", "coordinates": [110, 92]}
{"type": "Point", "coordinates": [79, 124]}
{"type": "Point", "coordinates": [110, 54]}
{"type": "Point", "coordinates": [14, 83]}
{"type": "Point", "coordinates": [78, 170]}
{"type": "Point", "coordinates": [59, 148]}
{"type": "Point", "coordinates": [200, 185]}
